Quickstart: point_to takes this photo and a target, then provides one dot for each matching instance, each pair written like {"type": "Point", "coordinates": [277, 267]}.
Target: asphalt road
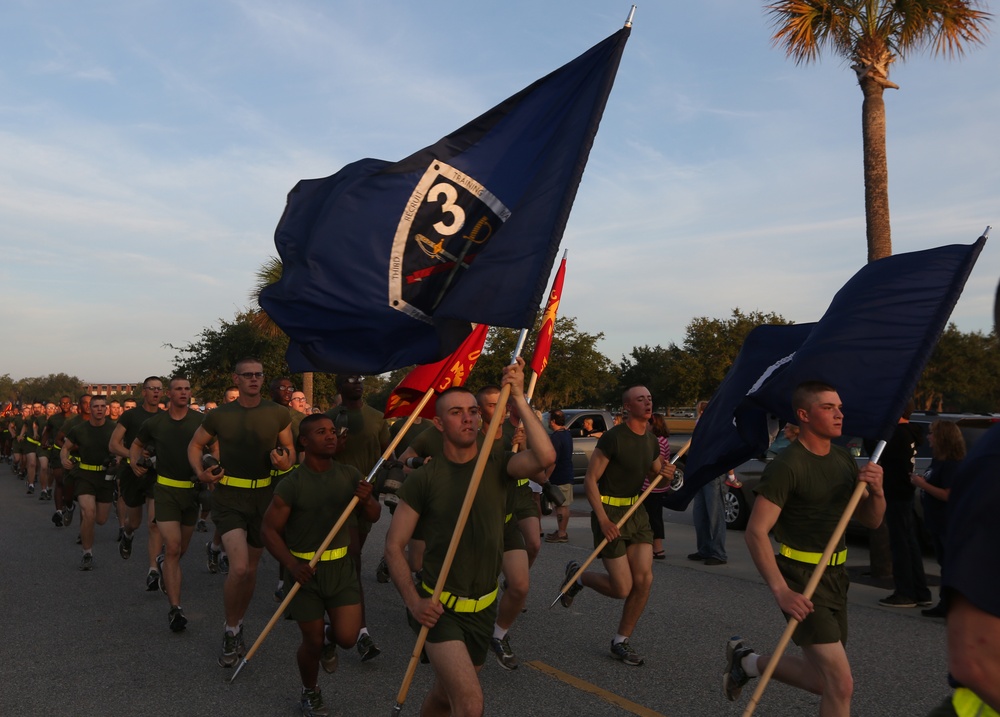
{"type": "Point", "coordinates": [88, 643]}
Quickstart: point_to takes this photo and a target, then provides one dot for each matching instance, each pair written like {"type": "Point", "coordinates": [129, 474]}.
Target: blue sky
{"type": "Point", "coordinates": [146, 149]}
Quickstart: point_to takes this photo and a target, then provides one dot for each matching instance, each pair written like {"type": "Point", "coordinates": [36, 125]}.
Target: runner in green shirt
{"type": "Point", "coordinates": [460, 624]}
{"type": "Point", "coordinates": [175, 492]}
{"type": "Point", "coordinates": [93, 489]}
{"type": "Point", "coordinates": [622, 460]}
{"type": "Point", "coordinates": [305, 506]}
{"type": "Point", "coordinates": [255, 437]}
{"type": "Point", "coordinates": [801, 496]}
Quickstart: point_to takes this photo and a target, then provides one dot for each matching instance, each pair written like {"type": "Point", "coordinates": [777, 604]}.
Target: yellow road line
{"type": "Point", "coordinates": [585, 686]}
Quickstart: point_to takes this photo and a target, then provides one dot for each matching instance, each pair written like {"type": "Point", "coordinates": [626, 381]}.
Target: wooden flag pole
{"type": "Point", "coordinates": [456, 536]}
{"type": "Point", "coordinates": [810, 588]}
{"type": "Point", "coordinates": [628, 514]}
{"type": "Point", "coordinates": [331, 535]}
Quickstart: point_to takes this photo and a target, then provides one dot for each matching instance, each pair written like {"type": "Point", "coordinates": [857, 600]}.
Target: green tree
{"type": "Point", "coordinates": [712, 344]}
{"type": "Point", "coordinates": [42, 389]}
{"type": "Point", "coordinates": [871, 35]}
{"type": "Point", "coordinates": [577, 374]}
{"type": "Point", "coordinates": [963, 374]}
{"type": "Point", "coordinates": [671, 374]}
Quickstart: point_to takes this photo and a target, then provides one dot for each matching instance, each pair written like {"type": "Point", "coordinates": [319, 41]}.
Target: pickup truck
{"type": "Point", "coordinates": [583, 445]}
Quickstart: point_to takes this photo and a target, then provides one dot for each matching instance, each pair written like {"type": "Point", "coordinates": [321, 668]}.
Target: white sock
{"type": "Point", "coordinates": [364, 631]}
{"type": "Point", "coordinates": [499, 633]}
{"type": "Point", "coordinates": [233, 630]}
{"type": "Point", "coordinates": [749, 664]}
{"type": "Point", "coordinates": [619, 639]}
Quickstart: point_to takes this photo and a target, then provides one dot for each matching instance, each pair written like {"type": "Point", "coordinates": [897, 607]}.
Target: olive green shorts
{"type": "Point", "coordinates": [241, 509]}
{"type": "Point", "coordinates": [472, 628]}
{"type": "Point", "coordinates": [524, 503]}
{"type": "Point", "coordinates": [513, 539]}
{"type": "Point", "coordinates": [94, 483]}
{"type": "Point", "coordinates": [334, 585]}
{"type": "Point", "coordinates": [135, 490]}
{"type": "Point", "coordinates": [175, 505]}
{"type": "Point", "coordinates": [635, 530]}
{"type": "Point", "coordinates": [828, 621]}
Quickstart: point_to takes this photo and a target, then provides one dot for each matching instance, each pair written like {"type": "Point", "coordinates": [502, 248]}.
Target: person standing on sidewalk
{"type": "Point", "coordinates": [709, 516]}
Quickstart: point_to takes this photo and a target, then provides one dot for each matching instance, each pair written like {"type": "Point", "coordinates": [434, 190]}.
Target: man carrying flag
{"type": "Point", "coordinates": [801, 496]}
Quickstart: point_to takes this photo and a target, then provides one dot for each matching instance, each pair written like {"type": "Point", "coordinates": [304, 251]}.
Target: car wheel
{"type": "Point", "coordinates": [736, 509]}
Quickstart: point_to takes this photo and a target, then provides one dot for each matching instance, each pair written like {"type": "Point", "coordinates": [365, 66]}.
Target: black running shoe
{"type": "Point", "coordinates": [382, 572]}
{"type": "Point", "coordinates": [366, 648]}
{"type": "Point", "coordinates": [125, 545]}
{"type": "Point", "coordinates": [566, 599]}
{"type": "Point", "coordinates": [152, 581]}
{"type": "Point", "coordinates": [230, 648]}
{"type": "Point", "coordinates": [505, 655]}
{"type": "Point", "coordinates": [57, 519]}
{"type": "Point", "coordinates": [311, 703]}
{"type": "Point", "coordinates": [160, 583]}
{"type": "Point", "coordinates": [213, 558]}
{"type": "Point", "coordinates": [735, 676]}
{"type": "Point", "coordinates": [176, 620]}
{"type": "Point", "coordinates": [87, 563]}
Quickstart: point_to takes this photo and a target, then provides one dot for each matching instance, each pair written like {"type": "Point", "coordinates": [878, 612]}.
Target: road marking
{"type": "Point", "coordinates": [585, 686]}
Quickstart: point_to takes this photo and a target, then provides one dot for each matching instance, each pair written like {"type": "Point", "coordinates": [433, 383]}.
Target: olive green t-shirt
{"type": "Point", "coordinates": [171, 438]}
{"type": "Point", "coordinates": [53, 425]}
{"type": "Point", "coordinates": [132, 420]}
{"type": "Point", "coordinates": [317, 501]}
{"type": "Point", "coordinates": [436, 491]}
{"type": "Point", "coordinates": [812, 492]}
{"type": "Point", "coordinates": [630, 458]}
{"type": "Point", "coordinates": [247, 436]}
{"type": "Point", "coordinates": [411, 434]}
{"type": "Point", "coordinates": [367, 432]}
{"type": "Point", "coordinates": [296, 417]}
{"type": "Point", "coordinates": [92, 442]}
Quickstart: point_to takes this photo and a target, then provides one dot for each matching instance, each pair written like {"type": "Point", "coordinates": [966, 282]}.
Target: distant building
{"type": "Point", "coordinates": [109, 389]}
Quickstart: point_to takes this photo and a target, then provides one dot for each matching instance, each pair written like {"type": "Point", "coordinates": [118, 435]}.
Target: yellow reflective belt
{"type": "Point", "coordinates": [813, 558]}
{"type": "Point", "coordinates": [163, 480]}
{"type": "Point", "coordinates": [522, 481]}
{"type": "Point", "coordinates": [968, 704]}
{"type": "Point", "coordinates": [275, 473]}
{"type": "Point", "coordinates": [32, 440]}
{"type": "Point", "coordinates": [332, 554]}
{"type": "Point", "coordinates": [461, 604]}
{"type": "Point", "coordinates": [246, 482]}
{"type": "Point", "coordinates": [89, 467]}
{"type": "Point", "coordinates": [618, 502]}
{"type": "Point", "coordinates": [506, 518]}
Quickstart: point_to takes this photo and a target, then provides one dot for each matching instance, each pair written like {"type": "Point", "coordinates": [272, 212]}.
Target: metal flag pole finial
{"type": "Point", "coordinates": [631, 14]}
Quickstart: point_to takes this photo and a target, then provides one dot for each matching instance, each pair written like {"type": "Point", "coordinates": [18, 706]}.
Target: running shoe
{"type": "Point", "coordinates": [152, 580]}
{"type": "Point", "coordinates": [224, 564]}
{"type": "Point", "coordinates": [176, 620]}
{"type": "Point", "coordinates": [312, 703]}
{"type": "Point", "coordinates": [626, 653]}
{"type": "Point", "coordinates": [382, 572]}
{"type": "Point", "coordinates": [201, 526]}
{"type": "Point", "coordinates": [213, 558]}
{"type": "Point", "coordinates": [31, 488]}
{"type": "Point", "coordinates": [87, 563]}
{"type": "Point", "coordinates": [57, 519]}
{"type": "Point", "coordinates": [566, 599]}
{"type": "Point", "coordinates": [230, 648]}
{"type": "Point", "coordinates": [328, 658]}
{"type": "Point", "coordinates": [125, 545]}
{"type": "Point", "coordinates": [505, 655]}
{"type": "Point", "coordinates": [735, 676]}
{"type": "Point", "coordinates": [68, 515]}
{"type": "Point", "coordinates": [366, 647]}
{"type": "Point", "coordinates": [160, 583]}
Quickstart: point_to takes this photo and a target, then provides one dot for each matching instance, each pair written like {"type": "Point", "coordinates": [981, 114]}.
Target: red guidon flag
{"type": "Point", "coordinates": [451, 371]}
{"type": "Point", "coordinates": [540, 359]}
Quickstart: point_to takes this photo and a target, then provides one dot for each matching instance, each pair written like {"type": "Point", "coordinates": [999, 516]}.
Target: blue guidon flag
{"type": "Point", "coordinates": [871, 345]}
{"type": "Point", "coordinates": [386, 264]}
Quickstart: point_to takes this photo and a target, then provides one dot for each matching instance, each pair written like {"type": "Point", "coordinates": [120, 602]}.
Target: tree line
{"type": "Point", "coordinates": [963, 374]}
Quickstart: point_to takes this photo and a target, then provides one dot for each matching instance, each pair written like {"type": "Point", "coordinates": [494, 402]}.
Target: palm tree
{"type": "Point", "coordinates": [871, 35]}
{"type": "Point", "coordinates": [268, 273]}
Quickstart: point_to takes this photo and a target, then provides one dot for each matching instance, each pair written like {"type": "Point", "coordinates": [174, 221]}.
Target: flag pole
{"type": "Point", "coordinates": [817, 575]}
{"type": "Point", "coordinates": [331, 535]}
{"type": "Point", "coordinates": [456, 536]}
{"type": "Point", "coordinates": [628, 514]}
{"type": "Point", "coordinates": [631, 14]}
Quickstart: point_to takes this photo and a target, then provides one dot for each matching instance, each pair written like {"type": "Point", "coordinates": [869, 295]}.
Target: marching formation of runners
{"type": "Point", "coordinates": [276, 477]}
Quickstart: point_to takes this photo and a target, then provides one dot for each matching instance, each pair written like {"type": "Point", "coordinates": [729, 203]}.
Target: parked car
{"type": "Point", "coordinates": [738, 502]}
